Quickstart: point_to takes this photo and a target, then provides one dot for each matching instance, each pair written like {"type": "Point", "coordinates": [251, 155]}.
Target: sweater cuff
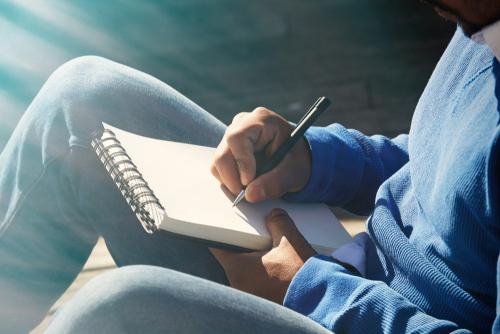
{"type": "Point", "coordinates": [308, 289]}
{"type": "Point", "coordinates": [330, 295]}
{"type": "Point", "coordinates": [337, 166]}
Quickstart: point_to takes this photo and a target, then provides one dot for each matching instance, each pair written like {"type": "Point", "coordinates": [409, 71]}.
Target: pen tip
{"type": "Point", "coordinates": [239, 198]}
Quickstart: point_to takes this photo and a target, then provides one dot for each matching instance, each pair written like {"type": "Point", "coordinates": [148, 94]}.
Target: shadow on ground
{"type": "Point", "coordinates": [372, 57]}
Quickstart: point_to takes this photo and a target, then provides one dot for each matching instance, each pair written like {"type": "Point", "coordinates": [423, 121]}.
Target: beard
{"type": "Point", "coordinates": [468, 28]}
{"type": "Point", "coordinates": [449, 13]}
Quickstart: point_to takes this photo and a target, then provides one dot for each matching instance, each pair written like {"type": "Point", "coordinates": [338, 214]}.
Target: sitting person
{"type": "Point", "coordinates": [426, 265]}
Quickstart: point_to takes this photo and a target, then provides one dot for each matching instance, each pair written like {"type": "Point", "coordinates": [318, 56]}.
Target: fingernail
{"type": "Point", "coordinates": [277, 212]}
{"type": "Point", "coordinates": [261, 192]}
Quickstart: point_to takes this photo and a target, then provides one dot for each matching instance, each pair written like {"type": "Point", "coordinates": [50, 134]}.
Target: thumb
{"type": "Point", "coordinates": [280, 225]}
{"type": "Point", "coordinates": [272, 184]}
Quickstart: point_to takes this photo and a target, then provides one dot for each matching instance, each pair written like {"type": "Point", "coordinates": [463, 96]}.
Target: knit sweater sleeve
{"type": "Point", "coordinates": [348, 167]}
{"type": "Point", "coordinates": [344, 303]}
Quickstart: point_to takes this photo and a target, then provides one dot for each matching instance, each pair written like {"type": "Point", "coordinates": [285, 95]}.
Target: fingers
{"type": "Point", "coordinates": [225, 169]}
{"type": "Point", "coordinates": [291, 175]}
{"type": "Point", "coordinates": [242, 146]}
{"type": "Point", "coordinates": [273, 184]}
{"type": "Point", "coordinates": [235, 163]}
{"type": "Point", "coordinates": [246, 138]}
{"type": "Point", "coordinates": [280, 226]}
{"type": "Point", "coordinates": [233, 262]}
{"type": "Point", "coordinates": [222, 256]}
{"type": "Point", "coordinates": [227, 260]}
{"type": "Point", "coordinates": [215, 172]}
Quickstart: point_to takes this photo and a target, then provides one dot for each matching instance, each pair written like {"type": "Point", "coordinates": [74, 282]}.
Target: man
{"type": "Point", "coordinates": [427, 264]}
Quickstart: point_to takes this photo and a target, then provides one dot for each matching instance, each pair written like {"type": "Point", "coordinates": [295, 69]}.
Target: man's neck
{"type": "Point", "coordinates": [490, 36]}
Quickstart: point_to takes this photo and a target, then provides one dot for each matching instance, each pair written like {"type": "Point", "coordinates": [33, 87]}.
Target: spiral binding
{"type": "Point", "coordinates": [128, 179]}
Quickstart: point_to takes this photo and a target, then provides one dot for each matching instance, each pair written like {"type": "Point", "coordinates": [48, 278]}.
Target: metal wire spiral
{"type": "Point", "coordinates": [128, 179]}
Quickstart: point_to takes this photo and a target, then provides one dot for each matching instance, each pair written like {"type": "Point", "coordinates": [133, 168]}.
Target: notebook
{"type": "Point", "coordinates": [170, 188]}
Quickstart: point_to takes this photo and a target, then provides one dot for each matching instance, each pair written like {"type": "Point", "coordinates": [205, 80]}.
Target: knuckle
{"type": "Point", "coordinates": [223, 167]}
{"type": "Point", "coordinates": [233, 135]}
{"type": "Point", "coordinates": [214, 171]}
{"type": "Point", "coordinates": [219, 158]}
{"type": "Point", "coordinates": [284, 242]}
{"type": "Point", "coordinates": [261, 111]}
{"type": "Point", "coordinates": [243, 162]}
{"type": "Point", "coordinates": [222, 147]}
{"type": "Point", "coordinates": [238, 117]}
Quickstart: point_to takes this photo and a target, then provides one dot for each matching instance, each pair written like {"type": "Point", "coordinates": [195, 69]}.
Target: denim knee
{"type": "Point", "coordinates": [120, 301]}
{"type": "Point", "coordinates": [119, 284]}
{"type": "Point", "coordinates": [76, 81]}
{"type": "Point", "coordinates": [75, 96]}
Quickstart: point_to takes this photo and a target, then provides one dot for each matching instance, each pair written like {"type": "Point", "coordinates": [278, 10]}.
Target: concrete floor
{"type": "Point", "coordinates": [372, 57]}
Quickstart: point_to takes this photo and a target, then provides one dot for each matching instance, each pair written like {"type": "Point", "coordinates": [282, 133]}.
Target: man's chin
{"type": "Point", "coordinates": [469, 29]}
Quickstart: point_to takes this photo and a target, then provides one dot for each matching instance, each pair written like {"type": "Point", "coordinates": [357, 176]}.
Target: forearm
{"type": "Point", "coordinates": [344, 303]}
{"type": "Point", "coordinates": [348, 167]}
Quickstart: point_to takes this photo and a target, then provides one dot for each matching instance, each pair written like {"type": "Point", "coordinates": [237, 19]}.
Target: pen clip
{"type": "Point", "coordinates": [318, 101]}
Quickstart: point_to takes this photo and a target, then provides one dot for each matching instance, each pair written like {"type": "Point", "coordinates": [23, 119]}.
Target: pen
{"type": "Point", "coordinates": [305, 122]}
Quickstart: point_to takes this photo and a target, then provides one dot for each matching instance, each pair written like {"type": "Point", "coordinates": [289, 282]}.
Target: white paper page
{"type": "Point", "coordinates": [179, 175]}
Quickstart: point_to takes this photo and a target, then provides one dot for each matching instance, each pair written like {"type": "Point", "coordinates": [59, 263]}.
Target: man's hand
{"type": "Point", "coordinates": [261, 130]}
{"type": "Point", "coordinates": [268, 274]}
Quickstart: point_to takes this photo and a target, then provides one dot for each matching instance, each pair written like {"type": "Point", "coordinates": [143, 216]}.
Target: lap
{"type": "Point", "coordinates": [56, 198]}
{"type": "Point", "coordinates": [150, 299]}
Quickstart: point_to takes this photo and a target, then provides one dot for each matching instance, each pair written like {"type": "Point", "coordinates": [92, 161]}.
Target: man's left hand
{"type": "Point", "coordinates": [268, 274]}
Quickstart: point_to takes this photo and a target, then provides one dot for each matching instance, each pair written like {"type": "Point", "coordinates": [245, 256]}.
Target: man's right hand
{"type": "Point", "coordinates": [249, 133]}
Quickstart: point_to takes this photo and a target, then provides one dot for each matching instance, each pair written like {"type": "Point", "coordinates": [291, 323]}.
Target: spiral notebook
{"type": "Point", "coordinates": [171, 190]}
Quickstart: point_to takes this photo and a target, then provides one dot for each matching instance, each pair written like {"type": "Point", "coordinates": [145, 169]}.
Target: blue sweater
{"type": "Point", "coordinates": [434, 200]}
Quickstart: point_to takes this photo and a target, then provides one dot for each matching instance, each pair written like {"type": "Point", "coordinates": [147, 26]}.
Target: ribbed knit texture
{"type": "Point", "coordinates": [434, 201]}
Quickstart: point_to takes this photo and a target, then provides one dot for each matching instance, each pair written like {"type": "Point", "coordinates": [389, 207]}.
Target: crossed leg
{"type": "Point", "coordinates": [56, 199]}
{"type": "Point", "coordinates": [149, 299]}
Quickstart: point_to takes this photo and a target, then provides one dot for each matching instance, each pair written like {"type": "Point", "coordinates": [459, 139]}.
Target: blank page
{"type": "Point", "coordinates": [197, 205]}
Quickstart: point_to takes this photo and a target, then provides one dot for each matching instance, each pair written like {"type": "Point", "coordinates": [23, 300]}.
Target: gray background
{"type": "Point", "coordinates": [371, 57]}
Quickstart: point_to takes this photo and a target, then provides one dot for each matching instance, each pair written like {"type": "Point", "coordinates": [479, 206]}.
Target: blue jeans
{"type": "Point", "coordinates": [56, 200]}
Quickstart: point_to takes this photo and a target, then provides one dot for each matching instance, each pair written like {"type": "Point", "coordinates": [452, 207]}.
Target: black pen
{"type": "Point", "coordinates": [306, 121]}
